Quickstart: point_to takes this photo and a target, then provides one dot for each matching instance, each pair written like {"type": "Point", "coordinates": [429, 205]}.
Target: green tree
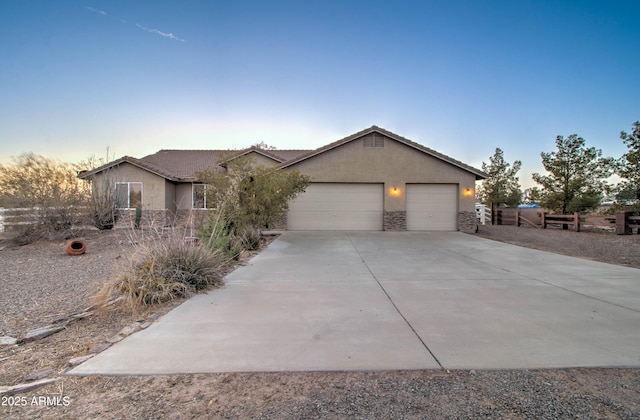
{"type": "Point", "coordinates": [577, 176]}
{"type": "Point", "coordinates": [251, 196]}
{"type": "Point", "coordinates": [629, 166]}
{"type": "Point", "coordinates": [502, 188]}
{"type": "Point", "coordinates": [50, 189]}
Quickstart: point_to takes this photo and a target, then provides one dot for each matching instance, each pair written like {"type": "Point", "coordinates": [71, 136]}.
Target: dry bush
{"type": "Point", "coordinates": [162, 269]}
{"type": "Point", "coordinates": [55, 198]}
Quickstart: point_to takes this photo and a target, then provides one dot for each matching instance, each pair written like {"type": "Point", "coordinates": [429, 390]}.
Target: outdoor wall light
{"type": "Point", "coordinates": [468, 192]}
{"type": "Point", "coordinates": [395, 191]}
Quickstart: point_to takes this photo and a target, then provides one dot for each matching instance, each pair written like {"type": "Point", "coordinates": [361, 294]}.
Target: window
{"type": "Point", "coordinates": [374, 141]}
{"type": "Point", "coordinates": [199, 196]}
{"type": "Point", "coordinates": [128, 195]}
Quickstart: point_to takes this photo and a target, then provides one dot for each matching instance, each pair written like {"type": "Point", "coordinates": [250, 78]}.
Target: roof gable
{"type": "Point", "coordinates": [375, 129]}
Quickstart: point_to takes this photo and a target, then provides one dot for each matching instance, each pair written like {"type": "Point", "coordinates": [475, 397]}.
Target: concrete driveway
{"type": "Point", "coordinates": [394, 300]}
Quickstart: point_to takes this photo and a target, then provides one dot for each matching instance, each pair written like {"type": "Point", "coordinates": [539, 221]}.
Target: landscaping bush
{"type": "Point", "coordinates": [104, 214]}
{"type": "Point", "coordinates": [56, 198]}
{"type": "Point", "coordinates": [217, 235]}
{"type": "Point", "coordinates": [166, 269]}
{"type": "Point", "coordinates": [247, 238]}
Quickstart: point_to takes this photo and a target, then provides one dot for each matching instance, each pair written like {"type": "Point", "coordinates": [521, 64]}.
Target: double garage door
{"type": "Point", "coordinates": [329, 206]}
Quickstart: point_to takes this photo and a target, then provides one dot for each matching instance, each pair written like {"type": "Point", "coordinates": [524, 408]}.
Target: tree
{"type": "Point", "coordinates": [502, 188]}
{"type": "Point", "coordinates": [577, 176]}
{"type": "Point", "coordinates": [629, 166]}
{"type": "Point", "coordinates": [251, 196]}
{"type": "Point", "coordinates": [49, 188]}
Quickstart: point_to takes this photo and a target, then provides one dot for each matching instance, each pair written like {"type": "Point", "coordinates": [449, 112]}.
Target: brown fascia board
{"type": "Point", "coordinates": [478, 173]}
{"type": "Point", "coordinates": [133, 161]}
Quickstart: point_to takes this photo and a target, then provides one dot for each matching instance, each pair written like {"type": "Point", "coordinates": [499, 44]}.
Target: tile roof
{"type": "Point", "coordinates": [182, 165]}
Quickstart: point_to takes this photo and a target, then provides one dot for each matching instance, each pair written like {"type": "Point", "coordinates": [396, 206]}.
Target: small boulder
{"type": "Point", "coordinates": [7, 341]}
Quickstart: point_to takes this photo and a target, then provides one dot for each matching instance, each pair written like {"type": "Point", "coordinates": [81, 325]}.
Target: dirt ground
{"type": "Point", "coordinates": [40, 285]}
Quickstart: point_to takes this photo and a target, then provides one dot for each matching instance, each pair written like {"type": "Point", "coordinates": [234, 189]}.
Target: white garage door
{"type": "Point", "coordinates": [432, 207]}
{"type": "Point", "coordinates": [326, 206]}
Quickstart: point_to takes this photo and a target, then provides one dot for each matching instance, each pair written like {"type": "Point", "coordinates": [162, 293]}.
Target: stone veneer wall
{"type": "Point", "coordinates": [150, 218]}
{"type": "Point", "coordinates": [467, 222]}
{"type": "Point", "coordinates": [394, 220]}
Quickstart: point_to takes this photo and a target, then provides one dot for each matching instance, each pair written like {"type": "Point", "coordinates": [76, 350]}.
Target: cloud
{"type": "Point", "coordinates": [91, 9]}
{"type": "Point", "coordinates": [164, 34]}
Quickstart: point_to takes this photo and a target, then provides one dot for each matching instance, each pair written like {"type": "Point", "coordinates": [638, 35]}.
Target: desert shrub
{"type": "Point", "coordinates": [50, 190]}
{"type": "Point", "coordinates": [247, 238]}
{"type": "Point", "coordinates": [217, 235]}
{"type": "Point", "coordinates": [163, 270]}
{"type": "Point", "coordinates": [249, 195]}
{"type": "Point", "coordinates": [104, 214]}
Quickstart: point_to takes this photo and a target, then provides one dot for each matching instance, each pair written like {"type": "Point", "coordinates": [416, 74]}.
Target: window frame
{"type": "Point", "coordinates": [204, 196]}
{"type": "Point", "coordinates": [128, 184]}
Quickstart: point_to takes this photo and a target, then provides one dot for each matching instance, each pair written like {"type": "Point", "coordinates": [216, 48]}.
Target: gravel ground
{"type": "Point", "coordinates": [39, 284]}
{"type": "Point", "coordinates": [592, 243]}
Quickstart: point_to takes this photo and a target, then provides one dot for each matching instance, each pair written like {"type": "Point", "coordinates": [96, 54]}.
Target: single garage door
{"type": "Point", "coordinates": [328, 206]}
{"type": "Point", "coordinates": [432, 207]}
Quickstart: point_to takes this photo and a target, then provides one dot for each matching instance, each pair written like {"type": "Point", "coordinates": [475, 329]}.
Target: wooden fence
{"type": "Point", "coordinates": [534, 217]}
{"type": "Point", "coordinates": [564, 220]}
{"type": "Point", "coordinates": [13, 218]}
{"type": "Point", "coordinates": [516, 217]}
{"type": "Point", "coordinates": [627, 222]}
{"type": "Point", "coordinates": [10, 218]}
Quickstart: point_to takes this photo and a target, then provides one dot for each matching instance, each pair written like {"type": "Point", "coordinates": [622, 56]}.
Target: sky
{"type": "Point", "coordinates": [115, 78]}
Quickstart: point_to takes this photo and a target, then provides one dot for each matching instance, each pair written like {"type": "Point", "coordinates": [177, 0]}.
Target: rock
{"type": "Point", "coordinates": [144, 325]}
{"type": "Point", "coordinates": [100, 348]}
{"type": "Point", "coordinates": [7, 341]}
{"type": "Point", "coordinates": [43, 332]}
{"type": "Point", "coordinates": [17, 389]}
{"type": "Point", "coordinates": [37, 375]}
{"type": "Point", "coordinates": [80, 359]}
{"type": "Point", "coordinates": [129, 329]}
{"type": "Point", "coordinates": [154, 315]}
{"type": "Point", "coordinates": [115, 339]}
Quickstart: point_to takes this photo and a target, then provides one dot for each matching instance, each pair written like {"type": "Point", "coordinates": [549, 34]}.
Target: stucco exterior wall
{"type": "Point", "coordinates": [154, 190]}
{"type": "Point", "coordinates": [169, 197]}
{"type": "Point", "coordinates": [183, 195]}
{"type": "Point", "coordinates": [257, 160]}
{"type": "Point", "coordinates": [260, 160]}
{"type": "Point", "coordinates": [395, 165]}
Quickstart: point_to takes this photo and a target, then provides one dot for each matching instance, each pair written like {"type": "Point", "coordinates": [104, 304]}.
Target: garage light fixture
{"type": "Point", "coordinates": [395, 191]}
{"type": "Point", "coordinates": [468, 192]}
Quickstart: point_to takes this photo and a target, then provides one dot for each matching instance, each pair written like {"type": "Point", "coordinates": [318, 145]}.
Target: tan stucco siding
{"type": "Point", "coordinates": [170, 196]}
{"type": "Point", "coordinates": [260, 160]}
{"type": "Point", "coordinates": [184, 196]}
{"type": "Point", "coordinates": [395, 165]}
{"type": "Point", "coordinates": [256, 159]}
{"type": "Point", "coordinates": [153, 186]}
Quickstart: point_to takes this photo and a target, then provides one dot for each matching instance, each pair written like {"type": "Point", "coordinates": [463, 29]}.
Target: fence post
{"type": "Point", "coordinates": [517, 218]}
{"type": "Point", "coordinates": [576, 222]}
{"type": "Point", "coordinates": [544, 219]}
{"type": "Point", "coordinates": [622, 223]}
